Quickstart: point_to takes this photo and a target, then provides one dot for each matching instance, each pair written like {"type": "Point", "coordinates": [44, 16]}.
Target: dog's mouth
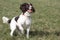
{"type": "Point", "coordinates": [30, 11]}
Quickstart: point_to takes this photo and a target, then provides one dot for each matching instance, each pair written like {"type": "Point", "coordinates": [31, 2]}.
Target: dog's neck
{"type": "Point", "coordinates": [27, 14]}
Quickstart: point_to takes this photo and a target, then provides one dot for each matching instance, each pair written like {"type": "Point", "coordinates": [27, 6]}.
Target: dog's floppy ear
{"type": "Point", "coordinates": [33, 9]}
{"type": "Point", "coordinates": [24, 7]}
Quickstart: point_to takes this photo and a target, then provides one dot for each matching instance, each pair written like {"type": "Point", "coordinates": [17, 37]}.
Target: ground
{"type": "Point", "coordinates": [45, 21]}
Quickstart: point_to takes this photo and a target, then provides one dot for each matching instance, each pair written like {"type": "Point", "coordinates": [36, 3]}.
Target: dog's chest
{"type": "Point", "coordinates": [24, 20]}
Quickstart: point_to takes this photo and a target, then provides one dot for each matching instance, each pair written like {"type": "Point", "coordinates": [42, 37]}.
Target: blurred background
{"type": "Point", "coordinates": [45, 21]}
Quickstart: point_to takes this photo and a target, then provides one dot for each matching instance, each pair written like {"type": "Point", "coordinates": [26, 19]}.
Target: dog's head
{"type": "Point", "coordinates": [27, 7]}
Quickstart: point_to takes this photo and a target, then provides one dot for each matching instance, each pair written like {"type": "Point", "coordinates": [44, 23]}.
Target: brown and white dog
{"type": "Point", "coordinates": [21, 20]}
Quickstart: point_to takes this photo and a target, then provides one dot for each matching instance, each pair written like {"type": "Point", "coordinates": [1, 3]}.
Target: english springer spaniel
{"type": "Point", "coordinates": [21, 20]}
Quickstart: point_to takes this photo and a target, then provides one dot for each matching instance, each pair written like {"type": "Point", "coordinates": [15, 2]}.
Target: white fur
{"type": "Point", "coordinates": [22, 20]}
{"type": "Point", "coordinates": [5, 19]}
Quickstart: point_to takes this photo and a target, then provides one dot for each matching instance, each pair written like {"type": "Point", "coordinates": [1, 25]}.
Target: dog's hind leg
{"type": "Point", "coordinates": [12, 28]}
{"type": "Point", "coordinates": [12, 32]}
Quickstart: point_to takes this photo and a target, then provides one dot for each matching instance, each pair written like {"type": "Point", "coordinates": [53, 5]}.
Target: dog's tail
{"type": "Point", "coordinates": [6, 20]}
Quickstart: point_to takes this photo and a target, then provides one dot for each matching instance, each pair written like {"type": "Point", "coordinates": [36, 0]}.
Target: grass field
{"type": "Point", "coordinates": [45, 21]}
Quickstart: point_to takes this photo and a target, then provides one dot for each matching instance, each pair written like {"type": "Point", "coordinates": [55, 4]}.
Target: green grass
{"type": "Point", "coordinates": [45, 21]}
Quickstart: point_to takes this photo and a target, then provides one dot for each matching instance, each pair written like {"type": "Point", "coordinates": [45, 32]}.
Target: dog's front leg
{"type": "Point", "coordinates": [28, 29]}
{"type": "Point", "coordinates": [21, 29]}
